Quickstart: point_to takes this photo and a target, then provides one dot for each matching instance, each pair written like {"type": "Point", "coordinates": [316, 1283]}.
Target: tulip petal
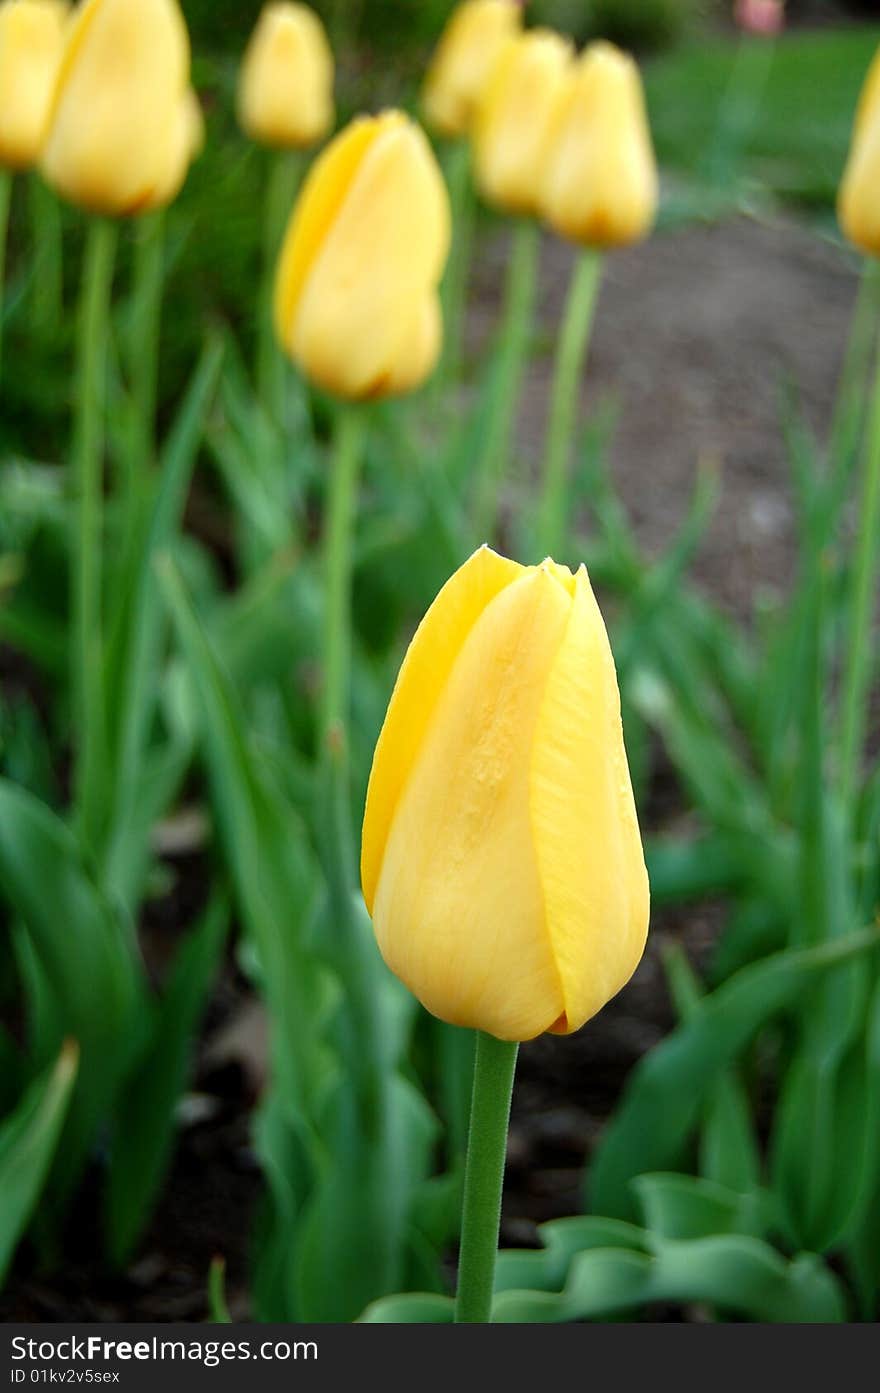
{"type": "Point", "coordinates": [462, 61]}
{"type": "Point", "coordinates": [419, 687]}
{"type": "Point", "coordinates": [586, 835]}
{"type": "Point", "coordinates": [323, 194]}
{"type": "Point", "coordinates": [382, 252]}
{"type": "Point", "coordinates": [115, 121]}
{"type": "Point", "coordinates": [858, 204]}
{"type": "Point", "coordinates": [514, 118]}
{"type": "Point", "coordinates": [459, 911]}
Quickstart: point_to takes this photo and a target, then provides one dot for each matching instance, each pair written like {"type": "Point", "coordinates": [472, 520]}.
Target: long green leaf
{"type": "Point", "coordinates": [662, 1102]}
{"type": "Point", "coordinates": [27, 1145]}
{"type": "Point", "coordinates": [144, 1119]}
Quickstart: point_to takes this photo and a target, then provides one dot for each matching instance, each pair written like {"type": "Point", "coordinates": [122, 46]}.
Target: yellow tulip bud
{"type": "Point", "coordinates": [868, 109]}
{"type": "Point", "coordinates": [31, 44]}
{"type": "Point", "coordinates": [513, 119]}
{"type": "Point", "coordinates": [356, 303]}
{"type": "Point", "coordinates": [123, 125]}
{"type": "Point", "coordinates": [501, 858]}
{"type": "Point", "coordinates": [600, 185]}
{"type": "Point", "coordinates": [461, 64]}
{"type": "Point", "coordinates": [285, 90]}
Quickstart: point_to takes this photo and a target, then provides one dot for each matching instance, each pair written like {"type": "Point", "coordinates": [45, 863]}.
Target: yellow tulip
{"type": "Point", "coordinates": [285, 90]}
{"type": "Point", "coordinates": [501, 858]}
{"type": "Point", "coordinates": [513, 119]}
{"type": "Point", "coordinates": [600, 186]}
{"type": "Point", "coordinates": [461, 64]}
{"type": "Point", "coordinates": [356, 303]}
{"type": "Point", "coordinates": [31, 44]}
{"type": "Point", "coordinates": [868, 109]}
{"type": "Point", "coordinates": [858, 202]}
{"type": "Point", "coordinates": [123, 126]}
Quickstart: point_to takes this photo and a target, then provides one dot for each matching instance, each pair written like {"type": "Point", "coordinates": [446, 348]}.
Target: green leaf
{"type": "Point", "coordinates": [217, 1305]}
{"type": "Point", "coordinates": [133, 667]}
{"type": "Point", "coordinates": [685, 1207]}
{"type": "Point", "coordinates": [662, 1102]}
{"type": "Point", "coordinates": [739, 1274]}
{"type": "Point", "coordinates": [86, 951]}
{"type": "Point", "coordinates": [27, 1144]}
{"type": "Point", "coordinates": [144, 1119]}
{"type": "Point", "coordinates": [412, 1308]}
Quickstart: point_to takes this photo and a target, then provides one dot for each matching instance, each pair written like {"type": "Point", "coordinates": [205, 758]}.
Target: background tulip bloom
{"type": "Point", "coordinates": [463, 60]}
{"type": "Point", "coordinates": [31, 44]}
{"type": "Point", "coordinates": [868, 109]}
{"type": "Point", "coordinates": [501, 859]}
{"type": "Point", "coordinates": [513, 119]}
{"type": "Point", "coordinates": [285, 91]}
{"type": "Point", "coordinates": [858, 204]}
{"type": "Point", "coordinates": [600, 186]}
{"type": "Point", "coordinates": [356, 303]}
{"type": "Point", "coordinates": [123, 127]}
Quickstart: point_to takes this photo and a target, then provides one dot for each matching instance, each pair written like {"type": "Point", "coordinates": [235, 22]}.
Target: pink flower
{"type": "Point", "coordinates": [760, 16]}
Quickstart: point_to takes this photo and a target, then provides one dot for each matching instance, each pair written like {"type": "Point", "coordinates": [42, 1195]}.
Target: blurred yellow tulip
{"type": "Point", "coordinates": [514, 116]}
{"type": "Point", "coordinates": [600, 185]}
{"type": "Point", "coordinates": [285, 89]}
{"type": "Point", "coordinates": [463, 59]}
{"type": "Point", "coordinates": [125, 123]}
{"type": "Point", "coordinates": [356, 304]}
{"type": "Point", "coordinates": [868, 108]}
{"type": "Point", "coordinates": [501, 858]}
{"type": "Point", "coordinates": [858, 203]}
{"type": "Point", "coordinates": [31, 45]}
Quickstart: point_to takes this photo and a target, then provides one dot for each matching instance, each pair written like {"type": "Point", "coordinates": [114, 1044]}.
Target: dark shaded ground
{"type": "Point", "coordinates": [696, 332]}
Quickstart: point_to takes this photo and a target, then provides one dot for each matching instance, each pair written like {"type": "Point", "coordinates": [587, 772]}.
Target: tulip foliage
{"type": "Point", "coordinates": [407, 766]}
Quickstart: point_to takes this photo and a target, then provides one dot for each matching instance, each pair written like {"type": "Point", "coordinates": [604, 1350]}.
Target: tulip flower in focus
{"type": "Point", "coordinates": [125, 123]}
{"type": "Point", "coordinates": [514, 116]}
{"type": "Point", "coordinates": [858, 204]}
{"type": "Point", "coordinates": [356, 303]}
{"type": "Point", "coordinates": [765, 17]}
{"type": "Point", "coordinates": [600, 186]}
{"type": "Point", "coordinates": [31, 45]}
{"type": "Point", "coordinates": [285, 90]}
{"type": "Point", "coordinates": [501, 859]}
{"type": "Point", "coordinates": [463, 60]}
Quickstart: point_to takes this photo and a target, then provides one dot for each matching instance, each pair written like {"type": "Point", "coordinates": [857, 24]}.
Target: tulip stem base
{"type": "Point", "coordinates": [494, 1068]}
{"type": "Point", "coordinates": [571, 354]}
{"type": "Point", "coordinates": [510, 356]}
{"type": "Point", "coordinates": [5, 200]}
{"type": "Point", "coordinates": [88, 462]}
{"type": "Point", "coordinates": [860, 649]}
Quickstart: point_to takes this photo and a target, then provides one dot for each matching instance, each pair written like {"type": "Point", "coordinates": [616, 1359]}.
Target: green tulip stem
{"type": "Point", "coordinates": [48, 286]}
{"type": "Point", "coordinates": [281, 188]}
{"type": "Point", "coordinates": [570, 357]}
{"type": "Point", "coordinates": [149, 275]}
{"type": "Point", "coordinates": [494, 1067]}
{"type": "Point", "coordinates": [455, 282]}
{"type": "Point", "coordinates": [87, 462]}
{"type": "Point", "coordinates": [5, 200]}
{"type": "Point", "coordinates": [511, 353]}
{"type": "Point", "coordinates": [344, 477]}
{"type": "Point", "coordinates": [860, 648]}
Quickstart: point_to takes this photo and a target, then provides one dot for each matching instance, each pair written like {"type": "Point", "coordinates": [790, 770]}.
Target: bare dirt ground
{"type": "Point", "coordinates": [696, 332]}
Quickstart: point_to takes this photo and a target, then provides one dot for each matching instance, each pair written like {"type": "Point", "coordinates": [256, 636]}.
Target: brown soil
{"type": "Point", "coordinates": [696, 332]}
